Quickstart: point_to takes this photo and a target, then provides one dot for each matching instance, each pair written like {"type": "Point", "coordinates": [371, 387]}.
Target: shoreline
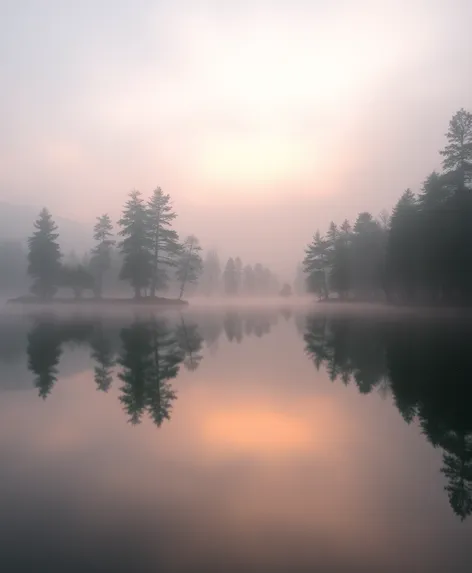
{"type": "Point", "coordinates": [157, 302]}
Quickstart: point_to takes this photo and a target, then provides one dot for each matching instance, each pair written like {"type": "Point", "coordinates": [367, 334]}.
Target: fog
{"type": "Point", "coordinates": [262, 120]}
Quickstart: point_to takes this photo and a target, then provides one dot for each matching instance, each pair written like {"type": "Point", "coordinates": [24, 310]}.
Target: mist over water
{"type": "Point", "coordinates": [259, 439]}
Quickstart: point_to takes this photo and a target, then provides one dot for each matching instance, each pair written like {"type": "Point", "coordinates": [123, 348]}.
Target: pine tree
{"type": "Point", "coordinates": [101, 253]}
{"type": "Point", "coordinates": [367, 257]}
{"type": "Point", "coordinates": [249, 280]}
{"type": "Point", "coordinates": [136, 244]}
{"type": "Point", "coordinates": [211, 273]}
{"type": "Point", "coordinates": [315, 265]}
{"type": "Point", "coordinates": [230, 278]}
{"type": "Point", "coordinates": [402, 260]}
{"type": "Point", "coordinates": [457, 154]}
{"type": "Point", "coordinates": [44, 257]}
{"type": "Point", "coordinates": [238, 268]}
{"type": "Point", "coordinates": [340, 275]}
{"type": "Point", "coordinates": [165, 241]}
{"type": "Point", "coordinates": [189, 266]}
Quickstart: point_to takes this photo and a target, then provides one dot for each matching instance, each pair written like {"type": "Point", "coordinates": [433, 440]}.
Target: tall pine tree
{"type": "Point", "coordinates": [316, 264]}
{"type": "Point", "coordinates": [230, 278]}
{"type": "Point", "coordinates": [164, 240]}
{"type": "Point", "coordinates": [101, 253]}
{"type": "Point", "coordinates": [136, 244]}
{"type": "Point", "coordinates": [457, 154]}
{"type": "Point", "coordinates": [44, 257]}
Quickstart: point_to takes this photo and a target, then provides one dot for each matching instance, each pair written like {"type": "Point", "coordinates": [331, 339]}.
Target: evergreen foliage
{"type": "Point", "coordinates": [44, 257]}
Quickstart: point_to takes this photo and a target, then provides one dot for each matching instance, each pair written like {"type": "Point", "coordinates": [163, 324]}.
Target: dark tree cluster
{"type": "Point", "coordinates": [145, 356]}
{"type": "Point", "coordinates": [428, 369]}
{"type": "Point", "coordinates": [150, 252]}
{"type": "Point", "coordinates": [421, 254]}
{"type": "Point", "coordinates": [348, 261]}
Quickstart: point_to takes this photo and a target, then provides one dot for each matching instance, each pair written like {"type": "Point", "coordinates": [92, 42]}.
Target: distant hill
{"type": "Point", "coordinates": [16, 223]}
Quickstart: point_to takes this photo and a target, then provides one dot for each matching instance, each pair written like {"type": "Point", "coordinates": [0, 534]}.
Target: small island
{"type": "Point", "coordinates": [150, 249]}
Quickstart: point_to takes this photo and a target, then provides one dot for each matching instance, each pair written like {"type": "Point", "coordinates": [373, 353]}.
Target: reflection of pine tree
{"type": "Point", "coordinates": [348, 350]}
{"type": "Point", "coordinates": [103, 354]}
{"type": "Point", "coordinates": [136, 362]}
{"type": "Point", "coordinates": [414, 361]}
{"type": "Point", "coordinates": [166, 358]}
{"type": "Point", "coordinates": [233, 326]}
{"type": "Point", "coordinates": [367, 351]}
{"type": "Point", "coordinates": [262, 323]}
{"type": "Point", "coordinates": [458, 471]}
{"type": "Point", "coordinates": [211, 328]}
{"type": "Point", "coordinates": [190, 342]}
{"type": "Point", "coordinates": [316, 346]}
{"type": "Point", "coordinates": [150, 358]}
{"type": "Point", "coordinates": [44, 352]}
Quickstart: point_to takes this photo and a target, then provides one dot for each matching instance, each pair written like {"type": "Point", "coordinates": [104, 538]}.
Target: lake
{"type": "Point", "coordinates": [235, 440]}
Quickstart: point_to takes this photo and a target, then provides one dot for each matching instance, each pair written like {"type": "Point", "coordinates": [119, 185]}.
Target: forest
{"type": "Point", "coordinates": [145, 254]}
{"type": "Point", "coordinates": [420, 254]}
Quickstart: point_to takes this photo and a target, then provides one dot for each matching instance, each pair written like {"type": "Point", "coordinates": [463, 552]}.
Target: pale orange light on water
{"type": "Point", "coordinates": [266, 431]}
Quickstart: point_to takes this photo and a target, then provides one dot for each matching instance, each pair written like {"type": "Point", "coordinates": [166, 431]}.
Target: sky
{"type": "Point", "coordinates": [264, 120]}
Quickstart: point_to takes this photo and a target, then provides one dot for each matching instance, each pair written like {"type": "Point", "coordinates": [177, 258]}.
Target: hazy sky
{"type": "Point", "coordinates": [263, 119]}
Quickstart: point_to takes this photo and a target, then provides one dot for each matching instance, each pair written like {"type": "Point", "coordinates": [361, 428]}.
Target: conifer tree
{"type": "Point", "coordinates": [165, 246]}
{"type": "Point", "coordinates": [101, 253]}
{"type": "Point", "coordinates": [136, 244]}
{"type": "Point", "coordinates": [315, 265]}
{"type": "Point", "coordinates": [230, 278]}
{"type": "Point", "coordinates": [44, 257]}
{"type": "Point", "coordinates": [211, 273]}
{"type": "Point", "coordinates": [457, 154]}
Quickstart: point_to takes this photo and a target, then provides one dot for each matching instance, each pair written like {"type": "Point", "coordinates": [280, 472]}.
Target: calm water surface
{"type": "Point", "coordinates": [235, 441]}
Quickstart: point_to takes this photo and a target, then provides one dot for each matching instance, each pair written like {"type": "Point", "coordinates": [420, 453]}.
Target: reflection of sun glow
{"type": "Point", "coordinates": [256, 431]}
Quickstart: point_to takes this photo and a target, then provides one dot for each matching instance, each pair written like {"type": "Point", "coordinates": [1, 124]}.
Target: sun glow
{"type": "Point", "coordinates": [259, 159]}
{"type": "Point", "coordinates": [278, 98]}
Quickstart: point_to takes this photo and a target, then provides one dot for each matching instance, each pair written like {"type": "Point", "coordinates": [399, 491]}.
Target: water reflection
{"type": "Point", "coordinates": [426, 366]}
{"type": "Point", "coordinates": [145, 356]}
{"type": "Point", "coordinates": [260, 462]}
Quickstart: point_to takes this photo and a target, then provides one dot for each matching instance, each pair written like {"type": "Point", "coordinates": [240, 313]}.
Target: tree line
{"type": "Point", "coordinates": [151, 252]}
{"type": "Point", "coordinates": [145, 252]}
{"type": "Point", "coordinates": [236, 278]}
{"type": "Point", "coordinates": [421, 253]}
